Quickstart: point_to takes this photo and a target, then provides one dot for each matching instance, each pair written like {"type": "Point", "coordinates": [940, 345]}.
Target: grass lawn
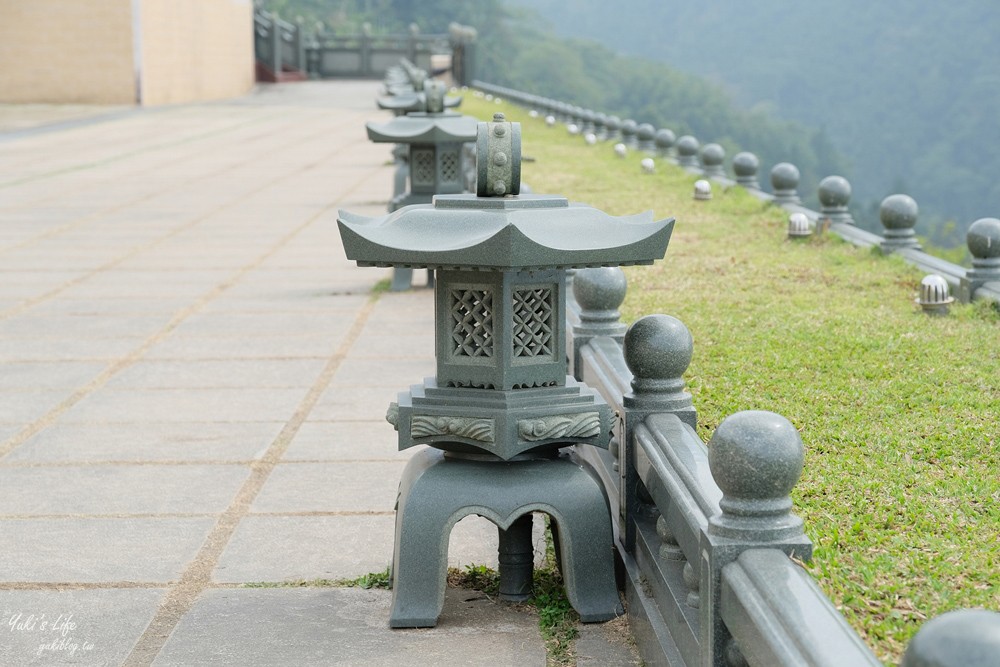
{"type": "Point", "coordinates": [899, 411]}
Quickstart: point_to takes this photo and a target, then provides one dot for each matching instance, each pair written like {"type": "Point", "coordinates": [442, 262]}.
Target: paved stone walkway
{"type": "Point", "coordinates": [193, 382]}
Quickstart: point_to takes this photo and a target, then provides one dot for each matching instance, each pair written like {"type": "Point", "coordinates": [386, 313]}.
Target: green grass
{"type": "Point", "coordinates": [381, 579]}
{"type": "Point", "coordinates": [899, 411]}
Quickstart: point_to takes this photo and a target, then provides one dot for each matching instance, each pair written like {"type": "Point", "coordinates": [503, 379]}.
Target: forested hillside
{"type": "Point", "coordinates": [907, 90]}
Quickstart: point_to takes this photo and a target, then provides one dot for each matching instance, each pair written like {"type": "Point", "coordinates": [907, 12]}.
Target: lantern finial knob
{"type": "Point", "coordinates": [498, 158]}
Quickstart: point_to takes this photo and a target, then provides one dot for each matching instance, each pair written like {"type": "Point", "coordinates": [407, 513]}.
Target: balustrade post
{"type": "Point", "coordinates": [665, 140]}
{"type": "Point", "coordinates": [898, 214]}
{"type": "Point", "coordinates": [834, 195]}
{"type": "Point", "coordinates": [745, 166]}
{"type": "Point", "coordinates": [983, 240]}
{"type": "Point", "coordinates": [411, 44]}
{"type": "Point", "coordinates": [657, 351]}
{"type": "Point", "coordinates": [629, 131]}
{"type": "Point", "coordinates": [963, 638]}
{"type": "Point", "coordinates": [614, 125]}
{"type": "Point", "coordinates": [366, 50]}
{"type": "Point", "coordinates": [300, 45]}
{"type": "Point", "coordinates": [756, 459]}
{"type": "Point", "coordinates": [599, 292]}
{"type": "Point", "coordinates": [687, 153]}
{"type": "Point", "coordinates": [276, 47]}
{"type": "Point", "coordinates": [646, 135]}
{"type": "Point", "coordinates": [785, 183]}
{"type": "Point", "coordinates": [712, 156]}
{"type": "Point", "coordinates": [600, 126]}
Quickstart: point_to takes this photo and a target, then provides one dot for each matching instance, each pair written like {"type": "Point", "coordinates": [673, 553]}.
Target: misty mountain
{"type": "Point", "coordinates": [907, 90]}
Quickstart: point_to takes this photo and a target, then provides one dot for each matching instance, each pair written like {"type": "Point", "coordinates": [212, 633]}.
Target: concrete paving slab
{"type": "Point", "coordinates": [68, 349]}
{"type": "Point", "coordinates": [330, 487]}
{"type": "Point", "coordinates": [347, 403]}
{"type": "Point", "coordinates": [148, 442]}
{"type": "Point", "coordinates": [346, 441]}
{"type": "Point", "coordinates": [31, 325]}
{"type": "Point", "coordinates": [22, 406]}
{"type": "Point", "coordinates": [247, 347]}
{"type": "Point", "coordinates": [315, 547]}
{"type": "Point", "coordinates": [120, 489]}
{"type": "Point", "coordinates": [225, 404]}
{"type": "Point", "coordinates": [110, 307]}
{"type": "Point", "coordinates": [385, 372]}
{"type": "Point", "coordinates": [391, 344]}
{"type": "Point", "coordinates": [78, 627]}
{"type": "Point", "coordinates": [88, 550]}
{"type": "Point", "coordinates": [320, 322]}
{"type": "Point", "coordinates": [347, 626]}
{"type": "Point", "coordinates": [233, 373]}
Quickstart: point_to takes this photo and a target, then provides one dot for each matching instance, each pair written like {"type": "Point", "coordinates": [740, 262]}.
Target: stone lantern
{"type": "Point", "coordinates": [501, 407]}
{"type": "Point", "coordinates": [429, 154]}
{"type": "Point", "coordinates": [435, 139]}
{"type": "Point", "coordinates": [412, 101]}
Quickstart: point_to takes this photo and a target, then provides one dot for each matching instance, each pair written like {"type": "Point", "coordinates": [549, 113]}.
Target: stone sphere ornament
{"type": "Point", "coordinates": [834, 194]}
{"type": "Point", "coordinates": [687, 151]}
{"type": "Point", "coordinates": [745, 166]}
{"type": "Point", "coordinates": [712, 157]}
{"type": "Point", "coordinates": [785, 182]}
{"type": "Point", "coordinates": [898, 214]}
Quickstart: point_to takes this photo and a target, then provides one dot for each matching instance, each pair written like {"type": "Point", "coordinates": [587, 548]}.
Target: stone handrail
{"type": "Point", "coordinates": [706, 535]}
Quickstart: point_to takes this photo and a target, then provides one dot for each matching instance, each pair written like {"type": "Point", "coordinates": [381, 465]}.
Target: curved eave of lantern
{"type": "Point", "coordinates": [421, 128]}
{"type": "Point", "coordinates": [413, 102]}
{"type": "Point", "coordinates": [463, 232]}
{"type": "Point", "coordinates": [400, 88]}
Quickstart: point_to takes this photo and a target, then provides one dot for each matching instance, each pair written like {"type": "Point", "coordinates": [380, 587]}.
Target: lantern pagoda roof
{"type": "Point", "coordinates": [523, 232]}
{"type": "Point", "coordinates": [413, 101]}
{"type": "Point", "coordinates": [425, 128]}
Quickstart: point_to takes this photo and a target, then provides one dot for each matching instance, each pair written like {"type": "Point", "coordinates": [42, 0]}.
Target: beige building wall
{"type": "Point", "coordinates": [196, 50]}
{"type": "Point", "coordinates": [85, 51]}
{"type": "Point", "coordinates": [77, 51]}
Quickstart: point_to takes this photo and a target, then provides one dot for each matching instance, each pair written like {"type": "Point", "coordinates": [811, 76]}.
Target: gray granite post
{"type": "Point", "coordinates": [983, 240]}
{"type": "Point", "coordinates": [756, 459]}
{"type": "Point", "coordinates": [898, 214]}
{"type": "Point", "coordinates": [785, 183]}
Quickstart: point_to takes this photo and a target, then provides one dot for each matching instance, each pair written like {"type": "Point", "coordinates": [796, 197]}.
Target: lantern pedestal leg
{"type": "Point", "coordinates": [436, 492]}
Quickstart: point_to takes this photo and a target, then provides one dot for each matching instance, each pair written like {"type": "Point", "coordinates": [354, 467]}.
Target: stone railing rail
{"type": "Point", "coordinates": [283, 46]}
{"type": "Point", "coordinates": [898, 213]}
{"type": "Point", "coordinates": [706, 535]}
{"type": "Point", "coordinates": [368, 55]}
{"type": "Point", "coordinates": [279, 46]}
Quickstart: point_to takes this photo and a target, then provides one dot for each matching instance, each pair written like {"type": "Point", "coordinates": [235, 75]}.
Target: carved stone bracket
{"type": "Point", "coordinates": [584, 425]}
{"type": "Point", "coordinates": [471, 428]}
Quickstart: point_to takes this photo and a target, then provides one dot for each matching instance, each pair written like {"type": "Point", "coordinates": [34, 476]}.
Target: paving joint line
{"type": "Point", "coordinates": [69, 226]}
{"type": "Point", "coordinates": [124, 362]}
{"type": "Point", "coordinates": [197, 577]}
{"type": "Point", "coordinates": [27, 304]}
{"type": "Point", "coordinates": [121, 156]}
